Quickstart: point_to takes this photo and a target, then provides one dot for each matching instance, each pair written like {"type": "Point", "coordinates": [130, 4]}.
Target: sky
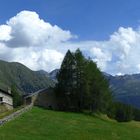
{"type": "Point", "coordinates": [37, 33]}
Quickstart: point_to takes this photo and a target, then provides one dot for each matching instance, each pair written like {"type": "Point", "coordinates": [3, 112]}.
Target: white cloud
{"type": "Point", "coordinates": [5, 33]}
{"type": "Point", "coordinates": [101, 57]}
{"type": "Point", "coordinates": [37, 44]}
{"type": "Point", "coordinates": [38, 59]}
{"type": "Point", "coordinates": [31, 41]}
{"type": "Point", "coordinates": [27, 29]}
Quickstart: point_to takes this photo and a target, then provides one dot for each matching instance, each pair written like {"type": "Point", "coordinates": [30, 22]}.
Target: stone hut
{"type": "Point", "coordinates": [30, 98]}
{"type": "Point", "coordinates": [44, 98]}
{"type": "Point", "coordinates": [6, 99]}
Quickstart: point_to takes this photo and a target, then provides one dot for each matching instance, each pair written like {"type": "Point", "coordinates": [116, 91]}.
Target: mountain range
{"type": "Point", "coordinates": [124, 88]}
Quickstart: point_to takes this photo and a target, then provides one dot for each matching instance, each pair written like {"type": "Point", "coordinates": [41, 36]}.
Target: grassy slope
{"type": "Point", "coordinates": [25, 79]}
{"type": "Point", "coordinates": [40, 124]}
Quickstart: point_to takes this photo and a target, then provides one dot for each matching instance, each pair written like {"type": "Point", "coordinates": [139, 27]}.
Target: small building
{"type": "Point", "coordinates": [31, 97]}
{"type": "Point", "coordinates": [44, 98]}
{"type": "Point", "coordinates": [6, 99]}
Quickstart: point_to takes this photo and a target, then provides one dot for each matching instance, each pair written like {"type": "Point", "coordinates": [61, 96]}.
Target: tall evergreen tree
{"type": "Point", "coordinates": [66, 81]}
{"type": "Point", "coordinates": [99, 96]}
{"type": "Point", "coordinates": [80, 79]}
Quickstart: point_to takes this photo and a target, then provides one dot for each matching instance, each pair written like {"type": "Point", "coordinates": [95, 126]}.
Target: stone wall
{"type": "Point", "coordinates": [15, 114]}
{"type": "Point", "coordinates": [47, 99]}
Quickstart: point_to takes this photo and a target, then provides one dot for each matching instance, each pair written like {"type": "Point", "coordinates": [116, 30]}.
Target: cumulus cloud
{"type": "Point", "coordinates": [27, 39]}
{"type": "Point", "coordinates": [37, 59]}
{"type": "Point", "coordinates": [32, 41]}
{"type": "Point", "coordinates": [124, 48]}
{"type": "Point", "coordinates": [5, 33]}
{"type": "Point", "coordinates": [101, 56]}
{"type": "Point", "coordinates": [27, 29]}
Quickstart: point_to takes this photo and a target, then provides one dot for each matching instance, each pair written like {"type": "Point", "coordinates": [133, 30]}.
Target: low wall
{"type": "Point", "coordinates": [15, 114]}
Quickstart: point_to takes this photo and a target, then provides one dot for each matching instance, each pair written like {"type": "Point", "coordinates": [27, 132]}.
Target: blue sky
{"type": "Point", "coordinates": [106, 30]}
{"type": "Point", "coordinates": [89, 19]}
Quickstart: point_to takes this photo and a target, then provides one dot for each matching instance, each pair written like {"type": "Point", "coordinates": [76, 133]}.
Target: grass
{"type": "Point", "coordinates": [41, 124]}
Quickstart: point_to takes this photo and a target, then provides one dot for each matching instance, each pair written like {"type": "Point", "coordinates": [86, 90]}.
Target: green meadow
{"type": "Point", "coordinates": [41, 124]}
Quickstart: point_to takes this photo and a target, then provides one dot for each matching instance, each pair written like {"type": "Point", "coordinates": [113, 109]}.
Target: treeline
{"type": "Point", "coordinates": [82, 86]}
{"type": "Point", "coordinates": [123, 112]}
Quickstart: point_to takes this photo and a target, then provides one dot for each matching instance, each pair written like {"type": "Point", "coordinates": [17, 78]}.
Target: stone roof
{"type": "Point", "coordinates": [35, 93]}
{"type": "Point", "coordinates": [5, 92]}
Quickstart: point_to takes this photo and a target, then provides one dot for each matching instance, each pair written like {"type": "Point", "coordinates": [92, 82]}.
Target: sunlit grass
{"type": "Point", "coordinates": [41, 124]}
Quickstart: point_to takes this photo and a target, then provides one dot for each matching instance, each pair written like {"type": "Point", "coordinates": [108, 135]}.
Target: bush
{"type": "Point", "coordinates": [17, 98]}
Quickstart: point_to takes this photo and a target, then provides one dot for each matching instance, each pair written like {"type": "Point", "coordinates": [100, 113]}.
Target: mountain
{"type": "Point", "coordinates": [126, 88]}
{"type": "Point", "coordinates": [26, 80]}
{"type": "Point", "coordinates": [43, 73]}
{"type": "Point", "coordinates": [53, 74]}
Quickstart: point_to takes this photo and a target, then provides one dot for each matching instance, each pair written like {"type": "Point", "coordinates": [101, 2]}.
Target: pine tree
{"type": "Point", "coordinates": [66, 81]}
{"type": "Point", "coordinates": [80, 79]}
{"type": "Point", "coordinates": [98, 94]}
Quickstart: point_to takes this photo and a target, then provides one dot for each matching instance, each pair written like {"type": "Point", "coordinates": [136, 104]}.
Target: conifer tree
{"type": "Point", "coordinates": [66, 77]}
{"type": "Point", "coordinates": [99, 95]}
{"type": "Point", "coordinates": [80, 79]}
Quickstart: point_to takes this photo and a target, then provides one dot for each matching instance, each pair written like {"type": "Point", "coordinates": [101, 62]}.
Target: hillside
{"type": "Point", "coordinates": [126, 88]}
{"type": "Point", "coordinates": [26, 80]}
{"type": "Point", "coordinates": [53, 125]}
